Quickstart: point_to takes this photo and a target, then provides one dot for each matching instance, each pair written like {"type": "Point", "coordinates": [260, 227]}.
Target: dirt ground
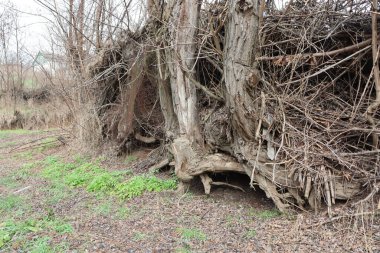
{"type": "Point", "coordinates": [39, 215]}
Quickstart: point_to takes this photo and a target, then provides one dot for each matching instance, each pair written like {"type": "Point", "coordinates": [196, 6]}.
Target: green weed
{"type": "Point", "coordinates": [4, 134]}
{"type": "Point", "coordinates": [138, 236]}
{"type": "Point", "coordinates": [39, 245]}
{"type": "Point", "coordinates": [10, 202]}
{"type": "Point", "coordinates": [192, 234]}
{"type": "Point", "coordinates": [9, 182]}
{"type": "Point", "coordinates": [130, 159]}
{"type": "Point", "coordinates": [104, 182]}
{"type": "Point", "coordinates": [24, 155]}
{"type": "Point", "coordinates": [43, 245]}
{"type": "Point", "coordinates": [266, 214]}
{"type": "Point", "coordinates": [104, 209]}
{"type": "Point", "coordinates": [250, 234]}
{"type": "Point", "coordinates": [56, 170]}
{"type": "Point", "coordinates": [11, 229]}
{"type": "Point", "coordinates": [122, 213]}
{"type": "Point", "coordinates": [137, 185]}
{"type": "Point", "coordinates": [184, 249]}
{"type": "Point", "coordinates": [56, 192]}
{"type": "Point", "coordinates": [24, 172]}
{"type": "Point", "coordinates": [47, 143]}
{"type": "Point", "coordinates": [59, 226]}
{"type": "Point", "coordinates": [95, 179]}
{"type": "Point", "coordinates": [7, 144]}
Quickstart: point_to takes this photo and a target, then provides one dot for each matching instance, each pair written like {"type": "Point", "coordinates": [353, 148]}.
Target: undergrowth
{"type": "Point", "coordinates": [137, 185]}
{"type": "Point", "coordinates": [16, 232]}
{"type": "Point", "coordinates": [265, 214]}
{"type": "Point", "coordinates": [4, 134]}
{"type": "Point", "coordinates": [94, 178]}
{"type": "Point", "coordinates": [188, 234]}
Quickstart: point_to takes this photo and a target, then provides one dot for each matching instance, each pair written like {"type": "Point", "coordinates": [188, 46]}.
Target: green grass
{"type": "Point", "coordinates": [8, 203]}
{"type": "Point", "coordinates": [24, 155]}
{"type": "Point", "coordinates": [43, 245]}
{"type": "Point", "coordinates": [7, 144]}
{"type": "Point", "coordinates": [94, 178]}
{"type": "Point", "coordinates": [56, 192]}
{"type": "Point", "coordinates": [137, 185]}
{"type": "Point", "coordinates": [4, 134]}
{"type": "Point", "coordinates": [122, 213]}
{"type": "Point", "coordinates": [184, 249]}
{"type": "Point", "coordinates": [250, 234]}
{"type": "Point", "coordinates": [17, 232]}
{"type": "Point", "coordinates": [104, 209]}
{"type": "Point", "coordinates": [138, 236]}
{"type": "Point", "coordinates": [24, 172]}
{"type": "Point", "coordinates": [188, 234]}
{"type": "Point", "coordinates": [9, 182]}
{"type": "Point", "coordinates": [266, 214]}
{"type": "Point", "coordinates": [130, 159]}
{"type": "Point", "coordinates": [47, 143]}
{"type": "Point", "coordinates": [12, 180]}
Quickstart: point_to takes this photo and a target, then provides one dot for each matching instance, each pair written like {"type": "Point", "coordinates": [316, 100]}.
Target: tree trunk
{"type": "Point", "coordinates": [184, 98]}
{"type": "Point", "coordinates": [128, 93]}
{"type": "Point", "coordinates": [240, 73]}
{"type": "Point", "coordinates": [183, 54]}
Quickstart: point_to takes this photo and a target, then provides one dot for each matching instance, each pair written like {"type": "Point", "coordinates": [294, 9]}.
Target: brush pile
{"type": "Point", "coordinates": [316, 94]}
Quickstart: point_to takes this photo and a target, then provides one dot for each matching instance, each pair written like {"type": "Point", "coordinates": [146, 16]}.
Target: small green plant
{"type": "Point", "coordinates": [60, 226]}
{"type": "Point", "coordinates": [137, 185]}
{"type": "Point", "coordinates": [184, 249]}
{"type": "Point", "coordinates": [10, 202]}
{"type": "Point", "coordinates": [266, 214]}
{"type": "Point", "coordinates": [98, 180]}
{"type": "Point", "coordinates": [104, 182]}
{"type": "Point", "coordinates": [250, 234]}
{"type": "Point", "coordinates": [192, 234]}
{"type": "Point", "coordinates": [9, 182]}
{"type": "Point", "coordinates": [138, 236]}
{"type": "Point", "coordinates": [104, 208]}
{"type": "Point", "coordinates": [4, 134]}
{"type": "Point", "coordinates": [56, 191]}
{"type": "Point", "coordinates": [11, 229]}
{"type": "Point", "coordinates": [122, 213]}
{"type": "Point", "coordinates": [24, 172]}
{"type": "Point", "coordinates": [44, 245]}
{"type": "Point", "coordinates": [56, 170]}
{"type": "Point", "coordinates": [47, 143]}
{"type": "Point", "coordinates": [130, 159]}
{"type": "Point", "coordinates": [24, 155]}
{"type": "Point", "coordinates": [39, 245]}
{"type": "Point", "coordinates": [8, 144]}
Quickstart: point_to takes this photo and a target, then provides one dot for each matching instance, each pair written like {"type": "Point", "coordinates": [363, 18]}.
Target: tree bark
{"type": "Point", "coordinates": [183, 53]}
{"type": "Point", "coordinates": [129, 93]}
{"type": "Point", "coordinates": [241, 74]}
{"type": "Point", "coordinates": [241, 43]}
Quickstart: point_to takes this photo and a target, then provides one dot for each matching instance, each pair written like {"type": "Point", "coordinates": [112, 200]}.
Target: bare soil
{"type": "Point", "coordinates": [226, 221]}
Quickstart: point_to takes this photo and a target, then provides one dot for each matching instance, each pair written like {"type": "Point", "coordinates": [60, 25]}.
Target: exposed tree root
{"type": "Point", "coordinates": [207, 182]}
{"type": "Point", "coordinates": [159, 165]}
{"type": "Point", "coordinates": [189, 163]}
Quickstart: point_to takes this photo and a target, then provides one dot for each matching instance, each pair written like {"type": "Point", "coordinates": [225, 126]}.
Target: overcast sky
{"type": "Point", "coordinates": [34, 32]}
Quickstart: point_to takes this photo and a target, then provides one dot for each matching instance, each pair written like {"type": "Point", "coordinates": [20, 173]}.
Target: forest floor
{"type": "Point", "coordinates": [53, 198]}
